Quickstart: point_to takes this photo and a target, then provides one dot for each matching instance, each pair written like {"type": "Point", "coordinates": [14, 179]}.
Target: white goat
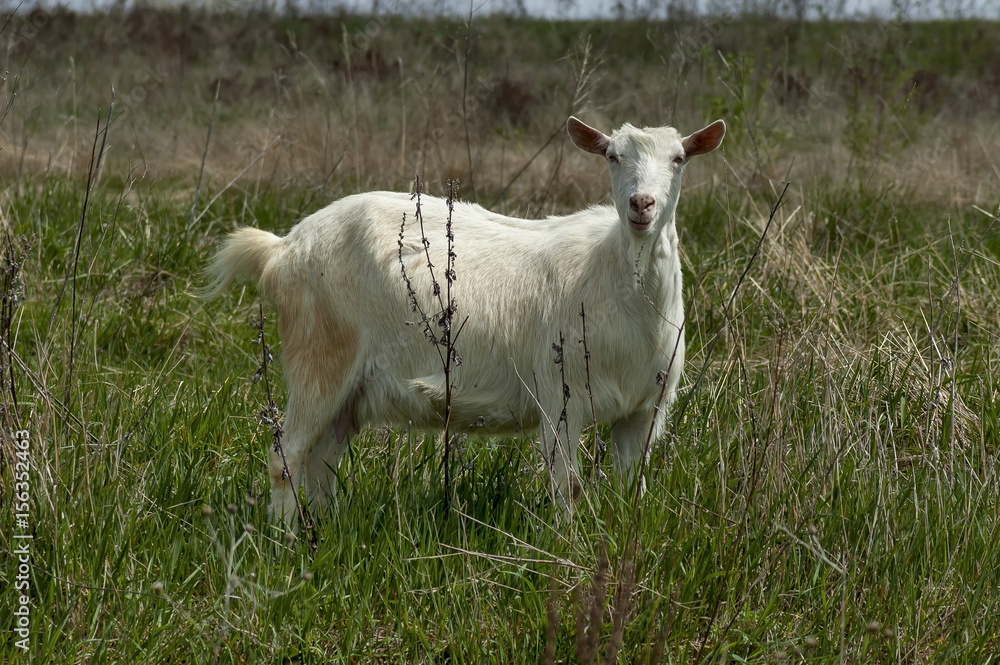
{"type": "Point", "coordinates": [350, 359]}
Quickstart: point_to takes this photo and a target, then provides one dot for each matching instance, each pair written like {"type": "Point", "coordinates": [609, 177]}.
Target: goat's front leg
{"type": "Point", "coordinates": [559, 436]}
{"type": "Point", "coordinates": [631, 439]}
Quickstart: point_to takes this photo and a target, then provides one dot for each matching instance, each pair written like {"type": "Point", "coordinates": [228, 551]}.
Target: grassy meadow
{"type": "Point", "coordinates": [828, 491]}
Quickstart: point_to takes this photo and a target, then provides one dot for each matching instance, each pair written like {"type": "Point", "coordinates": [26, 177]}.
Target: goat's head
{"type": "Point", "coordinates": [646, 166]}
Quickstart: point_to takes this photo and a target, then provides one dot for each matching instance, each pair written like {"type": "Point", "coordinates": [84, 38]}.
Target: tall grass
{"type": "Point", "coordinates": [829, 486]}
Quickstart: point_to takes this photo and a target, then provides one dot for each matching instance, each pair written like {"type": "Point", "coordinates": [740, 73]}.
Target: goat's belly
{"type": "Point", "coordinates": [422, 403]}
{"type": "Point", "coordinates": [430, 415]}
{"type": "Point", "coordinates": [499, 418]}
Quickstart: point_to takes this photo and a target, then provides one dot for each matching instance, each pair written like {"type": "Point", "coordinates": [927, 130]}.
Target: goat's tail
{"type": "Point", "coordinates": [242, 258]}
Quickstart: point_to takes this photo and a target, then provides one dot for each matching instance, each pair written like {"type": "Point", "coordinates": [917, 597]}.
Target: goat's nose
{"type": "Point", "coordinates": [641, 203]}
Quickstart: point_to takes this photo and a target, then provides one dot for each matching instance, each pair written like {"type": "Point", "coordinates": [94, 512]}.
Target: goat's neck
{"type": "Point", "coordinates": [653, 258]}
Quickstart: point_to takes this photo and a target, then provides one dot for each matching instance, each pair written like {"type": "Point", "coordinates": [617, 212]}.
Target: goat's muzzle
{"type": "Point", "coordinates": [640, 211]}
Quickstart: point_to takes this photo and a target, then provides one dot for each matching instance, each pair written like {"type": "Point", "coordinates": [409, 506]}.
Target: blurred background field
{"type": "Point", "coordinates": [365, 101]}
{"type": "Point", "coordinates": [829, 486]}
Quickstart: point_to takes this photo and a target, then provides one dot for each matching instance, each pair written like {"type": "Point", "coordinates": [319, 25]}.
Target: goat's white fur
{"type": "Point", "coordinates": [350, 359]}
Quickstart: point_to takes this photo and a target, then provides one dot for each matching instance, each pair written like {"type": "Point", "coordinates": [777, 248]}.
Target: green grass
{"type": "Point", "coordinates": [828, 491]}
{"type": "Point", "coordinates": [824, 475]}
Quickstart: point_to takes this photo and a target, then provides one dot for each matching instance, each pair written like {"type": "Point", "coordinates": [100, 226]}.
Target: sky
{"type": "Point", "coordinates": [917, 9]}
{"type": "Point", "coordinates": [582, 9]}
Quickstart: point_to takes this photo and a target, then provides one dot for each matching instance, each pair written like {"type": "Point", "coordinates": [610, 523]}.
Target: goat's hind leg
{"type": "Point", "coordinates": [305, 424]}
{"type": "Point", "coordinates": [321, 467]}
{"type": "Point", "coordinates": [320, 355]}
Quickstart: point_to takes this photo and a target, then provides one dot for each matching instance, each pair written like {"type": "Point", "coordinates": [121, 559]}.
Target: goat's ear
{"type": "Point", "coordinates": [704, 140]}
{"type": "Point", "coordinates": [586, 137]}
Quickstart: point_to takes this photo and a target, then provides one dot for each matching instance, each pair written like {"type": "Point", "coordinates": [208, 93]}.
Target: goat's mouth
{"type": "Point", "coordinates": [640, 224]}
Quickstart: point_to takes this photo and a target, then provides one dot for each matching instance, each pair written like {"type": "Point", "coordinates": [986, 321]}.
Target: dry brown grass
{"type": "Point", "coordinates": [349, 104]}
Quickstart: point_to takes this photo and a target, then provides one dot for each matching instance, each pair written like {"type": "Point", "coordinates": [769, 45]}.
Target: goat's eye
{"type": "Point", "coordinates": [679, 159]}
{"type": "Point", "coordinates": [613, 158]}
